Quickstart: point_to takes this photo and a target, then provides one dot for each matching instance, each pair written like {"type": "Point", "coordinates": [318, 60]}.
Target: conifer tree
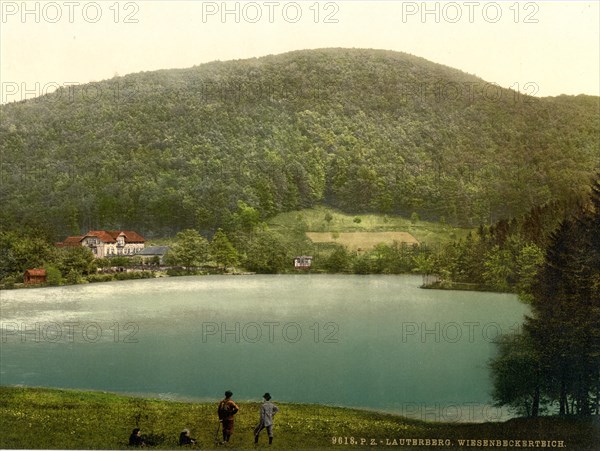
{"type": "Point", "coordinates": [222, 251]}
{"type": "Point", "coordinates": [565, 325]}
{"type": "Point", "coordinates": [557, 358]}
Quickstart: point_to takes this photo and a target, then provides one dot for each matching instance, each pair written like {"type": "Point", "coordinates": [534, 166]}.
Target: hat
{"type": "Point", "coordinates": [267, 396]}
{"type": "Point", "coordinates": [228, 394]}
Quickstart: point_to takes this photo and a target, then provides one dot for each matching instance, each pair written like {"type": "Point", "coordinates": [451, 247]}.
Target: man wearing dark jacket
{"type": "Point", "coordinates": [227, 410]}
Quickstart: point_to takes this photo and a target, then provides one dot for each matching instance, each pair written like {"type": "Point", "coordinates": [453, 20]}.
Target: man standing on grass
{"type": "Point", "coordinates": [227, 409]}
{"type": "Point", "coordinates": [267, 412]}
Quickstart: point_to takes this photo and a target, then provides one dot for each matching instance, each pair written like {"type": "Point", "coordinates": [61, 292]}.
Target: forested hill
{"type": "Point", "coordinates": [360, 130]}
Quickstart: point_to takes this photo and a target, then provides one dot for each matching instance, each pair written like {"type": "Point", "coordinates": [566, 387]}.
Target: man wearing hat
{"type": "Point", "coordinates": [267, 412]}
{"type": "Point", "coordinates": [227, 409]}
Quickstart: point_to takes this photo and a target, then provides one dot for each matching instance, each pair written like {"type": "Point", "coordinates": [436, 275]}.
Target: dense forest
{"type": "Point", "coordinates": [504, 256]}
{"type": "Point", "coordinates": [358, 130]}
{"type": "Point", "coordinates": [555, 360]}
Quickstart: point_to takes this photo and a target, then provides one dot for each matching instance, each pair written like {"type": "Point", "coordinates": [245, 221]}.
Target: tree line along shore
{"type": "Point", "coordinates": [501, 257]}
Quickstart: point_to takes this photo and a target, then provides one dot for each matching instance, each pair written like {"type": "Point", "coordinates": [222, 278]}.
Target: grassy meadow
{"type": "Point", "coordinates": [38, 418]}
{"type": "Point", "coordinates": [360, 241]}
{"type": "Point", "coordinates": [315, 220]}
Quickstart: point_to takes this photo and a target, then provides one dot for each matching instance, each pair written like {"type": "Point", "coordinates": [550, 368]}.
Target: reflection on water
{"type": "Point", "coordinates": [374, 342]}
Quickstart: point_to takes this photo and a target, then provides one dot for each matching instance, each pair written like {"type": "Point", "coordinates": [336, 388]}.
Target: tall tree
{"type": "Point", "coordinates": [266, 253]}
{"type": "Point", "coordinates": [77, 260]}
{"type": "Point", "coordinates": [21, 251]}
{"type": "Point", "coordinates": [190, 250]}
{"type": "Point", "coordinates": [565, 325]}
{"type": "Point", "coordinates": [516, 375]}
{"type": "Point", "coordinates": [222, 251]}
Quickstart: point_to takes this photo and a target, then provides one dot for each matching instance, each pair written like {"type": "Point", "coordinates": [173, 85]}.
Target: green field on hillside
{"type": "Point", "coordinates": [314, 220]}
{"type": "Point", "coordinates": [293, 226]}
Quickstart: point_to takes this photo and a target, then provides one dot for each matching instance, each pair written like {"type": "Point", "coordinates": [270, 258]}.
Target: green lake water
{"type": "Point", "coordinates": [375, 342]}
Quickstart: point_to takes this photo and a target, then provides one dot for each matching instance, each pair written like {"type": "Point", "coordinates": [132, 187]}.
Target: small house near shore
{"type": "Point", "coordinates": [34, 277]}
{"type": "Point", "coordinates": [303, 262]}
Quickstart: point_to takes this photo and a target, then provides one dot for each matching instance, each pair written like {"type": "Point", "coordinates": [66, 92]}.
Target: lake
{"type": "Point", "coordinates": [374, 342]}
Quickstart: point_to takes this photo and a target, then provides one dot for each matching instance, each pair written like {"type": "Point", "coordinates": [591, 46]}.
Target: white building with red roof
{"type": "Point", "coordinates": [104, 243]}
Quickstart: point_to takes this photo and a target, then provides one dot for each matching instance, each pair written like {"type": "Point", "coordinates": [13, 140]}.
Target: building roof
{"type": "Point", "coordinates": [103, 235]}
{"type": "Point", "coordinates": [154, 250]}
{"type": "Point", "coordinates": [71, 241]}
{"type": "Point", "coordinates": [36, 272]}
{"type": "Point", "coordinates": [130, 236]}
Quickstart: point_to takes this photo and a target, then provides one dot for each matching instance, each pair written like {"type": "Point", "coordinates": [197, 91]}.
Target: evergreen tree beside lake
{"type": "Point", "coordinates": [559, 349]}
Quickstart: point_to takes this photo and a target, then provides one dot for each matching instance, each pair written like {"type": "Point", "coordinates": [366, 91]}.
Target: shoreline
{"type": "Point", "coordinates": [35, 417]}
{"type": "Point", "coordinates": [446, 286]}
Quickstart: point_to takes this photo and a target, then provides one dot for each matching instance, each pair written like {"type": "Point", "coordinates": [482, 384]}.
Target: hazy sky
{"type": "Point", "coordinates": [552, 45]}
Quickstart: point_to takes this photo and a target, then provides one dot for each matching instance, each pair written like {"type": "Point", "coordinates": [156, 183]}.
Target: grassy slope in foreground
{"type": "Point", "coordinates": [48, 418]}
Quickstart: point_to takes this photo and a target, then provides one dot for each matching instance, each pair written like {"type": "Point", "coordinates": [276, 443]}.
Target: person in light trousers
{"type": "Point", "coordinates": [267, 412]}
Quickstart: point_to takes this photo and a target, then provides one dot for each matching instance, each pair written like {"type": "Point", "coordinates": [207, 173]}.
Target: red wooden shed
{"type": "Point", "coordinates": [34, 276]}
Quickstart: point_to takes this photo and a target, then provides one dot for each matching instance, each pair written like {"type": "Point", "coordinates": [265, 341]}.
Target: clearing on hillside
{"type": "Point", "coordinates": [361, 241]}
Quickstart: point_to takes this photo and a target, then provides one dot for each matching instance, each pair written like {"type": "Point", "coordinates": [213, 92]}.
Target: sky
{"type": "Point", "coordinates": [539, 48]}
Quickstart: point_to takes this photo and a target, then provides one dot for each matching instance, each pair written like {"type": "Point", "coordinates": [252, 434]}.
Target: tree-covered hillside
{"type": "Point", "coordinates": [359, 130]}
